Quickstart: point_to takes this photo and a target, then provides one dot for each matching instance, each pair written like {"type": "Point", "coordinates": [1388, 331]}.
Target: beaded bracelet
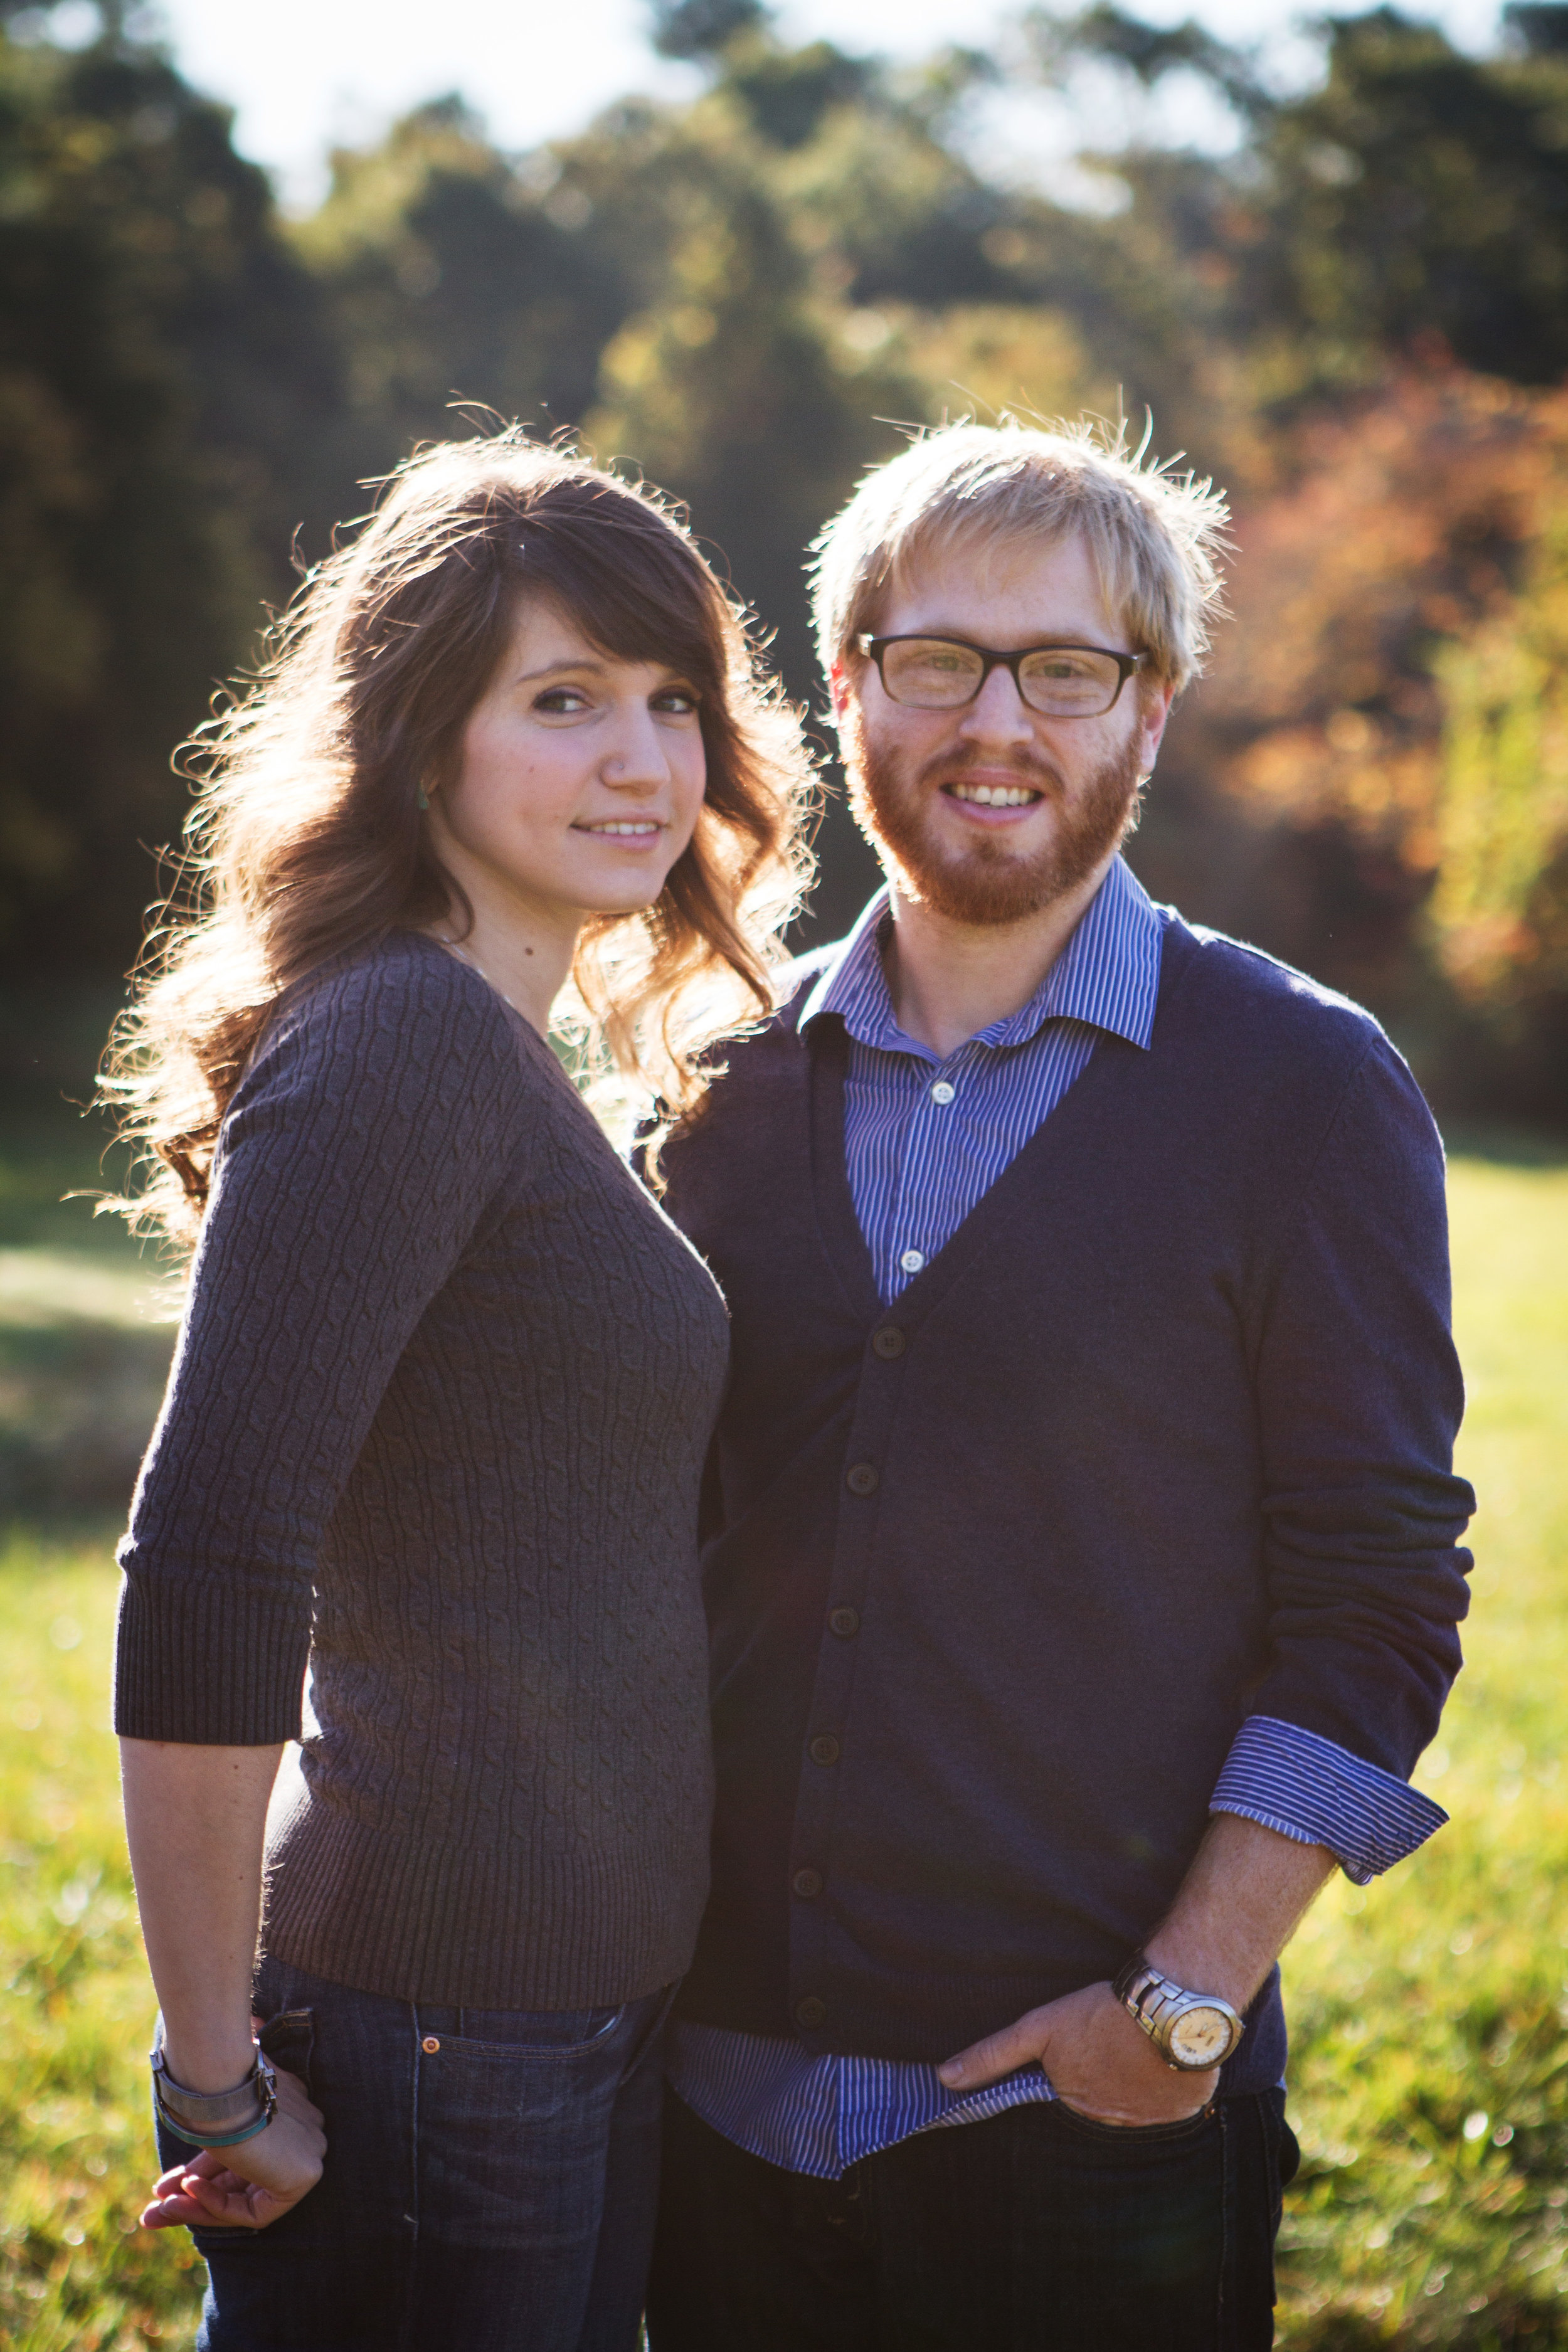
{"type": "Point", "coordinates": [198, 2117]}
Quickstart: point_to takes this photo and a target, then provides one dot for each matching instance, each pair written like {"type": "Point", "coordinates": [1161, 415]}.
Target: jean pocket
{"type": "Point", "coordinates": [290, 2041]}
{"type": "Point", "coordinates": [1154, 2137]}
{"type": "Point", "coordinates": [502, 2034]}
{"type": "Point", "coordinates": [511, 2133]}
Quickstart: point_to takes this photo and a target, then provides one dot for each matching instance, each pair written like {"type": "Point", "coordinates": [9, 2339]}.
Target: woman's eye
{"type": "Point", "coordinates": [561, 700]}
{"type": "Point", "coordinates": [680, 700]}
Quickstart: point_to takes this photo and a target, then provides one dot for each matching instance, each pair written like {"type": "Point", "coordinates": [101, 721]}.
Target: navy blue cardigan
{"type": "Point", "coordinates": [1162, 1439]}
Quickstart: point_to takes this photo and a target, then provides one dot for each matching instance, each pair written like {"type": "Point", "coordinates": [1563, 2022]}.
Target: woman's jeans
{"type": "Point", "coordinates": [491, 2179]}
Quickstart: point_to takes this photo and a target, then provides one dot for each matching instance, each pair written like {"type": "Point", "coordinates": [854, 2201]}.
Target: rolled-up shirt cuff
{"type": "Point", "coordinates": [1314, 1790]}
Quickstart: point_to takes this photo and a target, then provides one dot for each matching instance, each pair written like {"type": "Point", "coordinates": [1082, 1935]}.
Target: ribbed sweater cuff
{"type": "Point", "coordinates": [198, 1662]}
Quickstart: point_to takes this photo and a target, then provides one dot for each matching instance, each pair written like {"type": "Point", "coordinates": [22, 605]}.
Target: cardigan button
{"type": "Point", "coordinates": [863, 1479]}
{"type": "Point", "coordinates": [887, 1342]}
{"type": "Point", "coordinates": [845, 1623]}
{"type": "Point", "coordinates": [806, 1882]}
{"type": "Point", "coordinates": [810, 2012]}
{"type": "Point", "coordinates": [824, 1750]}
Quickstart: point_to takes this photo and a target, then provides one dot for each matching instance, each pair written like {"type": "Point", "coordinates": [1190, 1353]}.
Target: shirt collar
{"type": "Point", "coordinates": [1108, 975]}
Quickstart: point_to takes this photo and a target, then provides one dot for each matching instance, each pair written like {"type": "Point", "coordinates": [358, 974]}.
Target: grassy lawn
{"type": "Point", "coordinates": [75, 2013]}
{"type": "Point", "coordinates": [1430, 2075]}
{"type": "Point", "coordinates": [84, 1337]}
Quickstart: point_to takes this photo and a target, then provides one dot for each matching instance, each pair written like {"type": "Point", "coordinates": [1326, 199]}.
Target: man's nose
{"type": "Point", "coordinates": [998, 713]}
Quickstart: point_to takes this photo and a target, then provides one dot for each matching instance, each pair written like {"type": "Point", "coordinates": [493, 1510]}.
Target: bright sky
{"type": "Point", "coordinates": [305, 73]}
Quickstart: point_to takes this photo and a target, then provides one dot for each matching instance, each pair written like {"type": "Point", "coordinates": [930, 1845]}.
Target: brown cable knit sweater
{"type": "Point", "coordinates": [437, 1424]}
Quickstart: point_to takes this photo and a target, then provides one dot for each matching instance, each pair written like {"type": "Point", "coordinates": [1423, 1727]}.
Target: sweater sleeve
{"type": "Point", "coordinates": [355, 1162]}
{"type": "Point", "coordinates": [1360, 1398]}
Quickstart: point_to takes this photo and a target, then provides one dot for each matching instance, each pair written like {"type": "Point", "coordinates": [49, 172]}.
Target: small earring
{"type": "Point", "coordinates": [423, 798]}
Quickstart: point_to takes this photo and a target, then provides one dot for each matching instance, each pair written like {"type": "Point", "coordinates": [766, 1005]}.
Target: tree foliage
{"type": "Point", "coordinates": [163, 358]}
{"type": "Point", "coordinates": [1501, 908]}
{"type": "Point", "coordinates": [1394, 605]}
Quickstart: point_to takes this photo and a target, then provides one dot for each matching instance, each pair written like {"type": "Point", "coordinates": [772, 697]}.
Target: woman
{"type": "Point", "coordinates": [437, 1417]}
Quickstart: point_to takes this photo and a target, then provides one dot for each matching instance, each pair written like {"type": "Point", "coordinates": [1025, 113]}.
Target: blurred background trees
{"type": "Point", "coordinates": [1358, 320]}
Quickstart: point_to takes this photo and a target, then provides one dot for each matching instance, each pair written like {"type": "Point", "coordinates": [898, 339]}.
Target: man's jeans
{"type": "Point", "coordinates": [491, 2181]}
{"type": "Point", "coordinates": [1035, 2231]}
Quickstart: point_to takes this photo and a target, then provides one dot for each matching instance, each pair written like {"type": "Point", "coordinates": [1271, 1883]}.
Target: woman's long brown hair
{"type": "Point", "coordinates": [307, 841]}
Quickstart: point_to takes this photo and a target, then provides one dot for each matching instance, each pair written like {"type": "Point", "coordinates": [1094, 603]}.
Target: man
{"type": "Point", "coordinates": [1082, 1566]}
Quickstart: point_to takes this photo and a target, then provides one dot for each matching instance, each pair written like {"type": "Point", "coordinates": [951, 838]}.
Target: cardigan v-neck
{"type": "Point", "coordinates": [927, 1135]}
{"type": "Point", "coordinates": [843, 1238]}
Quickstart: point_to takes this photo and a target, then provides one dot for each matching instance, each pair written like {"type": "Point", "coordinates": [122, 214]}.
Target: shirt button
{"type": "Point", "coordinates": [863, 1478]}
{"type": "Point", "coordinates": [844, 1622]}
{"type": "Point", "coordinates": [887, 1342]}
{"type": "Point", "coordinates": [824, 1750]}
{"type": "Point", "coordinates": [913, 1260]}
{"type": "Point", "coordinates": [429, 2045]}
{"type": "Point", "coordinates": [942, 1092]}
{"type": "Point", "coordinates": [807, 1882]}
{"type": "Point", "coordinates": [810, 2012]}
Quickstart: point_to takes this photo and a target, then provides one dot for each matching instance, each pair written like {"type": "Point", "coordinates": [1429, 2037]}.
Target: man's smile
{"type": "Point", "coordinates": [995, 795]}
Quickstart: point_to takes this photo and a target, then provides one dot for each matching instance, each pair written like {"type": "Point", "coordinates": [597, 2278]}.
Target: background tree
{"type": "Point", "coordinates": [450, 271]}
{"type": "Point", "coordinates": [165, 360]}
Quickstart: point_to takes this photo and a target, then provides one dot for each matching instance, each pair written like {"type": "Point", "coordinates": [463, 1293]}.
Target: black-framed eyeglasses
{"type": "Point", "coordinates": [946, 673]}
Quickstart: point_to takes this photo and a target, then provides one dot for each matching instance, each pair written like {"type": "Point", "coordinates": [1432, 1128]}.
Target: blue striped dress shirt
{"type": "Point", "coordinates": [925, 1139]}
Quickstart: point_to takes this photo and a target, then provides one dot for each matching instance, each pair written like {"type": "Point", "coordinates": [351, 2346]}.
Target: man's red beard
{"type": "Point", "coordinates": [990, 881]}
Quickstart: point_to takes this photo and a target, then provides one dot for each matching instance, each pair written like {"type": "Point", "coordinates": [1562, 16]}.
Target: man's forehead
{"type": "Point", "coordinates": [1039, 587]}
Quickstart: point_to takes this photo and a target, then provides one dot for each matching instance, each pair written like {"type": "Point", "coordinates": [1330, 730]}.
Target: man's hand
{"type": "Point", "coordinates": [1237, 1909]}
{"type": "Point", "coordinates": [1095, 2058]}
{"type": "Point", "coordinates": [247, 2187]}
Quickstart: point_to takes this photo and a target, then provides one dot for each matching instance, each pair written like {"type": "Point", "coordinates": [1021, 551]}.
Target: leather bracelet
{"type": "Point", "coordinates": [216, 2118]}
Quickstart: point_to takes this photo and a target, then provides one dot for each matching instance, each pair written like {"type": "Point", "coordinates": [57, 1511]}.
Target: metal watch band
{"type": "Point", "coordinates": [1157, 2003]}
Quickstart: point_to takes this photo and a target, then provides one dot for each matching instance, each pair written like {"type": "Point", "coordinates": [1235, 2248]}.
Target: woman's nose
{"type": "Point", "coordinates": [638, 760]}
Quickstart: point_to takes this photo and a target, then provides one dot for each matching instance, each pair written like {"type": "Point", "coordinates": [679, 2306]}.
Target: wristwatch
{"type": "Point", "coordinates": [1191, 2031]}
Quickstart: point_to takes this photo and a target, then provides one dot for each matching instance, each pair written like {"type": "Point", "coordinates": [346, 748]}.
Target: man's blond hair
{"type": "Point", "coordinates": [1154, 537]}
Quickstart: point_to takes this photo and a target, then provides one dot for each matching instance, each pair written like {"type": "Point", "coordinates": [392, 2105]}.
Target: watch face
{"type": "Point", "coordinates": [1200, 2037]}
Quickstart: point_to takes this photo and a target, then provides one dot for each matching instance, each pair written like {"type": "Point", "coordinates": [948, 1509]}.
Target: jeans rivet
{"type": "Point", "coordinates": [429, 2045]}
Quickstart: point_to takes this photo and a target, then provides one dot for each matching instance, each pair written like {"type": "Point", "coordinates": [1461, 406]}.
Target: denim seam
{"type": "Point", "coordinates": [1273, 2144]}
{"type": "Point", "coordinates": [1228, 2223]}
{"type": "Point", "coordinates": [405, 2333]}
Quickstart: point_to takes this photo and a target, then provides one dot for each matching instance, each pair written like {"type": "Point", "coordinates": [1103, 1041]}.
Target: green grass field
{"type": "Point", "coordinates": [1430, 2075]}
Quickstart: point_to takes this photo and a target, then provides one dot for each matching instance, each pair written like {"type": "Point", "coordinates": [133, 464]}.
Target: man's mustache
{"type": "Point", "coordinates": [1025, 767]}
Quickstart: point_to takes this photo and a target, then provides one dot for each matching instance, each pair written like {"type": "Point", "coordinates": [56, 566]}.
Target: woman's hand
{"type": "Point", "coordinates": [247, 2187]}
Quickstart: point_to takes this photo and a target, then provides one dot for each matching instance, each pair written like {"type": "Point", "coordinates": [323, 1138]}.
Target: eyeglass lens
{"type": "Point", "coordinates": [928, 673]}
